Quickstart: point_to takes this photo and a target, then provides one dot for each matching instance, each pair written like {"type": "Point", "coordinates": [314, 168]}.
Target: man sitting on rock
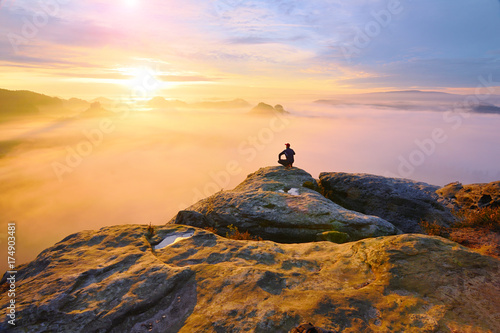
{"type": "Point", "coordinates": [288, 152]}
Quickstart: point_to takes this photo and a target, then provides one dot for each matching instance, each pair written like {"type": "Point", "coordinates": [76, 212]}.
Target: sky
{"type": "Point", "coordinates": [281, 51]}
{"type": "Point", "coordinates": [195, 50]}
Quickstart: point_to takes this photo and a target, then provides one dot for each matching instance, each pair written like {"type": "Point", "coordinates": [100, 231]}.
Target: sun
{"type": "Point", "coordinates": [142, 81]}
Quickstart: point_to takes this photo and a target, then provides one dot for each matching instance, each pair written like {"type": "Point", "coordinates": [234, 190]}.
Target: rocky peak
{"type": "Point", "coordinates": [281, 205]}
{"type": "Point", "coordinates": [275, 178]}
{"type": "Point", "coordinates": [97, 110]}
{"type": "Point", "coordinates": [266, 109]}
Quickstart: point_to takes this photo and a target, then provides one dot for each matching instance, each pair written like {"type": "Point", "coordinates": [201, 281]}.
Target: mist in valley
{"type": "Point", "coordinates": [59, 176]}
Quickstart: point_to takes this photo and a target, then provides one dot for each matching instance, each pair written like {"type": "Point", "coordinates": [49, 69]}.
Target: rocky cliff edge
{"type": "Point", "coordinates": [180, 278]}
{"type": "Point", "coordinates": [282, 205]}
{"type": "Point", "coordinates": [115, 280]}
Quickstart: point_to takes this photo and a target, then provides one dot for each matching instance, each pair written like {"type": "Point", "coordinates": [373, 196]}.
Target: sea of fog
{"type": "Point", "coordinates": [59, 177]}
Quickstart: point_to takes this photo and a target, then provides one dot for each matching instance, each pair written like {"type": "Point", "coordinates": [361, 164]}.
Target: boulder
{"type": "Point", "coordinates": [115, 280]}
{"type": "Point", "coordinates": [473, 196]}
{"type": "Point", "coordinates": [402, 202]}
{"type": "Point", "coordinates": [278, 204]}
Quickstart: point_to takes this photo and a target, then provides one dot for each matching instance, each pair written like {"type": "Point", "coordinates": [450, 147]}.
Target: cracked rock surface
{"type": "Point", "coordinates": [472, 196]}
{"type": "Point", "coordinates": [112, 280]}
{"type": "Point", "coordinates": [278, 204]}
{"type": "Point", "coordinates": [402, 202]}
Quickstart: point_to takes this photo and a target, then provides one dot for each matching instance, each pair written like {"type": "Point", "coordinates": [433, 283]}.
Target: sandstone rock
{"type": "Point", "coordinates": [273, 203]}
{"type": "Point", "coordinates": [402, 202]}
{"type": "Point", "coordinates": [309, 328]}
{"type": "Point", "coordinates": [457, 196]}
{"type": "Point", "coordinates": [266, 109]}
{"type": "Point", "coordinates": [101, 281]}
{"type": "Point", "coordinates": [112, 280]}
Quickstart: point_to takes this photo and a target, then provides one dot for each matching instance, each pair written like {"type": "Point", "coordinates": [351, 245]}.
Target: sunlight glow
{"type": "Point", "coordinates": [131, 3]}
{"type": "Point", "coordinates": [144, 81]}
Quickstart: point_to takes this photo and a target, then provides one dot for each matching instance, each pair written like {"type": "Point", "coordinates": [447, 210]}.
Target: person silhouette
{"type": "Point", "coordinates": [289, 153]}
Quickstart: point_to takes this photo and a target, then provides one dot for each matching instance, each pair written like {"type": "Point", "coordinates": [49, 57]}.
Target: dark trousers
{"type": "Point", "coordinates": [285, 162]}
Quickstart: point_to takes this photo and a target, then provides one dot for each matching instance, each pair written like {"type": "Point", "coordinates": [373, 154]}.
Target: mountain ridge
{"type": "Point", "coordinates": [418, 100]}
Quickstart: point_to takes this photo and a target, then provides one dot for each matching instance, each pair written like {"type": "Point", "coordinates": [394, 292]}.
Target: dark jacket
{"type": "Point", "coordinates": [288, 154]}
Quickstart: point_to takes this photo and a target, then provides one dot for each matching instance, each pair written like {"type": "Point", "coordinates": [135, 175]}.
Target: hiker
{"type": "Point", "coordinates": [288, 152]}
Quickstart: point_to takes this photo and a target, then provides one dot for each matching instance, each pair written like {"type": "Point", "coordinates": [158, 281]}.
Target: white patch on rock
{"type": "Point", "coordinates": [172, 239]}
{"type": "Point", "coordinates": [293, 191]}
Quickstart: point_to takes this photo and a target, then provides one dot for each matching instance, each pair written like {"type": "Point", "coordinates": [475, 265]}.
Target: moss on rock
{"type": "Point", "coordinates": [335, 237]}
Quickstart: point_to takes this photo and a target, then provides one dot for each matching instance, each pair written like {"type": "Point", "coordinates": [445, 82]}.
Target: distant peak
{"type": "Point", "coordinates": [414, 92]}
{"type": "Point", "coordinates": [96, 110]}
{"type": "Point", "coordinates": [263, 108]}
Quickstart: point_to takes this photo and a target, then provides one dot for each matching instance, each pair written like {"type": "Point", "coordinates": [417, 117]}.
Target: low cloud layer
{"type": "Point", "coordinates": [143, 168]}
